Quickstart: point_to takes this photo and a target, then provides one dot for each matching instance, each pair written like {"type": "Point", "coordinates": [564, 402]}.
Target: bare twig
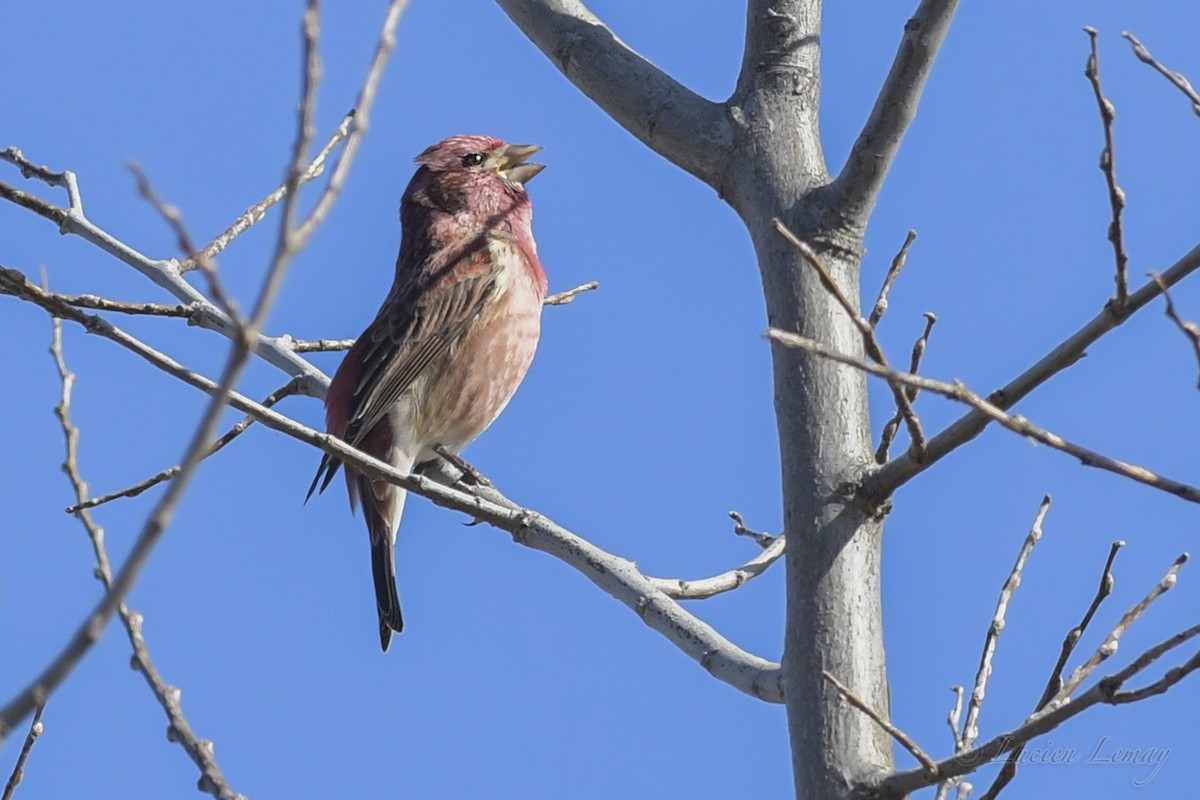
{"type": "Point", "coordinates": [164, 273]}
{"type": "Point", "coordinates": [893, 425]}
{"type": "Point", "coordinates": [881, 304]}
{"type": "Point", "coordinates": [1055, 682]}
{"type": "Point", "coordinates": [1107, 690]}
{"type": "Point", "coordinates": [703, 588]}
{"type": "Point", "coordinates": [212, 779]}
{"type": "Point", "coordinates": [170, 472]}
{"type": "Point", "coordinates": [1190, 329]}
{"type": "Point", "coordinates": [18, 773]}
{"type": "Point", "coordinates": [763, 540]}
{"type": "Point", "coordinates": [904, 468]}
{"type": "Point", "coordinates": [971, 727]}
{"type": "Point", "coordinates": [614, 575]}
{"type": "Point", "coordinates": [321, 345]}
{"type": "Point", "coordinates": [870, 343]}
{"type": "Point", "coordinates": [952, 719]}
{"type": "Point", "coordinates": [92, 301]}
{"type": "Point", "coordinates": [1015, 423]}
{"type": "Point", "coordinates": [258, 211]}
{"type": "Point", "coordinates": [1116, 195]}
{"type": "Point", "coordinates": [174, 218]}
{"type": "Point", "coordinates": [900, 736]}
{"type": "Point", "coordinates": [358, 126]}
{"type": "Point", "coordinates": [562, 298]}
{"type": "Point", "coordinates": [1176, 78]}
{"type": "Point", "coordinates": [1111, 642]}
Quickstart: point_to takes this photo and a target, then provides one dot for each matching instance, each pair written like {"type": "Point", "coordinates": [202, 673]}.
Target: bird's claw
{"type": "Point", "coordinates": [470, 476]}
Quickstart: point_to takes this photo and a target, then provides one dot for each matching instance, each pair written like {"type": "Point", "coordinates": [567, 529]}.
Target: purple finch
{"type": "Point", "coordinates": [453, 339]}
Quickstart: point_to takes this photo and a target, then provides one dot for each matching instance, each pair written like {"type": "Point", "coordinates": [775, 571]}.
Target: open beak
{"type": "Point", "coordinates": [512, 163]}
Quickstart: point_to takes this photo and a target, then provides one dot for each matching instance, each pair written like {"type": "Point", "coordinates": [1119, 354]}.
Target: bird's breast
{"type": "Point", "coordinates": [481, 374]}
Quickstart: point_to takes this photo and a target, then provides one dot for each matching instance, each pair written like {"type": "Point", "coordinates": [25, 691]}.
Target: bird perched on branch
{"type": "Point", "coordinates": [453, 339]}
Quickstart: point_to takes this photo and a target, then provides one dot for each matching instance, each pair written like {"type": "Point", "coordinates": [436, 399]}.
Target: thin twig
{"type": "Point", "coordinates": [164, 273]}
{"type": "Point", "coordinates": [881, 304]}
{"type": "Point", "coordinates": [1015, 423]}
{"type": "Point", "coordinates": [18, 773]}
{"type": "Point", "coordinates": [258, 211]}
{"type": "Point", "coordinates": [1112, 641]}
{"type": "Point", "coordinates": [1190, 329]}
{"type": "Point", "coordinates": [174, 218]}
{"type": "Point", "coordinates": [1176, 78]}
{"type": "Point", "coordinates": [188, 312]}
{"type": "Point", "coordinates": [900, 736]}
{"type": "Point", "coordinates": [360, 123]}
{"type": "Point", "coordinates": [212, 779]}
{"type": "Point", "coordinates": [901, 469]}
{"type": "Point", "coordinates": [763, 540]}
{"type": "Point", "coordinates": [562, 298]}
{"type": "Point", "coordinates": [893, 425]}
{"type": "Point", "coordinates": [1107, 690]}
{"type": "Point", "coordinates": [136, 489]}
{"type": "Point", "coordinates": [703, 588]}
{"type": "Point", "coordinates": [870, 343]}
{"type": "Point", "coordinates": [952, 719]}
{"type": "Point", "coordinates": [1116, 195]}
{"type": "Point", "coordinates": [321, 345]}
{"type": "Point", "coordinates": [974, 706]}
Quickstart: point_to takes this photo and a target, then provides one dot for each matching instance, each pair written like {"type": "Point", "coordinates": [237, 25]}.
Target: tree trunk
{"type": "Point", "coordinates": [834, 613]}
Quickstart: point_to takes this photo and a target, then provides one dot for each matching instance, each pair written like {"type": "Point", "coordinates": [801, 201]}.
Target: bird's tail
{"type": "Point", "coordinates": [383, 505]}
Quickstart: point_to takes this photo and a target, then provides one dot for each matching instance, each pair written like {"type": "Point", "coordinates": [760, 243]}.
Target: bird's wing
{"type": "Point", "coordinates": [427, 314]}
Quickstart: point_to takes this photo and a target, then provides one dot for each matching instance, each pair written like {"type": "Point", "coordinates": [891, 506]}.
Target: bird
{"type": "Point", "coordinates": [452, 341]}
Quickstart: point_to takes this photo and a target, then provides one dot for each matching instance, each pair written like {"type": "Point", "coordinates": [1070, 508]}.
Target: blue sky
{"type": "Point", "coordinates": [646, 417]}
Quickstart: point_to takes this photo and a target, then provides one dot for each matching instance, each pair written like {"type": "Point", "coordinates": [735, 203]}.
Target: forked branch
{"type": "Point", "coordinates": [993, 412]}
{"type": "Point", "coordinates": [665, 115]}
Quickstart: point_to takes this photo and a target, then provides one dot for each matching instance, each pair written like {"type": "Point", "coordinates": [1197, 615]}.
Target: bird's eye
{"type": "Point", "coordinates": [472, 160]}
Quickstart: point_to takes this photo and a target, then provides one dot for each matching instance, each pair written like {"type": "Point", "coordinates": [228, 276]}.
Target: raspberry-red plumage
{"type": "Point", "coordinates": [453, 339]}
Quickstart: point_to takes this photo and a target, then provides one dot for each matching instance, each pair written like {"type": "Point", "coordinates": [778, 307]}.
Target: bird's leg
{"type": "Point", "coordinates": [470, 475]}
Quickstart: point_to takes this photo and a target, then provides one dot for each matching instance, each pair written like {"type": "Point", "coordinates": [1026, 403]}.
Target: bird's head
{"type": "Point", "coordinates": [474, 174]}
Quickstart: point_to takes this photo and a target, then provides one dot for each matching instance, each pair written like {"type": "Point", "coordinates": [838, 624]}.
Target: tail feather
{"type": "Point", "coordinates": [377, 511]}
{"type": "Point", "coordinates": [328, 468]}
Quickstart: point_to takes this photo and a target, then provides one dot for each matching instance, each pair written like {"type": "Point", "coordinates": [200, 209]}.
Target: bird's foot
{"type": "Point", "coordinates": [470, 476]}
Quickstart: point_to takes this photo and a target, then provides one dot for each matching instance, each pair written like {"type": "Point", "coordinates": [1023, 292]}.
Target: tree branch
{"type": "Point", "coordinates": [1107, 690]}
{"type": "Point", "coordinates": [971, 727]}
{"type": "Point", "coordinates": [893, 425]}
{"type": "Point", "coordinates": [1054, 683]}
{"type": "Point", "coordinates": [1016, 424]}
{"type": "Point", "coordinates": [703, 588]}
{"type": "Point", "coordinates": [1176, 78]}
{"type": "Point", "coordinates": [1190, 330]}
{"type": "Point", "coordinates": [164, 273]}
{"type": "Point", "coordinates": [258, 211]}
{"type": "Point", "coordinates": [212, 779]}
{"type": "Point", "coordinates": [136, 489]}
{"type": "Point", "coordinates": [898, 261]}
{"type": "Point", "coordinates": [614, 575]}
{"type": "Point", "coordinates": [686, 129]}
{"type": "Point", "coordinates": [18, 773]}
{"type": "Point", "coordinates": [858, 186]}
{"type": "Point", "coordinates": [903, 468]}
{"type": "Point", "coordinates": [900, 736]}
{"type": "Point", "coordinates": [1116, 195]}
